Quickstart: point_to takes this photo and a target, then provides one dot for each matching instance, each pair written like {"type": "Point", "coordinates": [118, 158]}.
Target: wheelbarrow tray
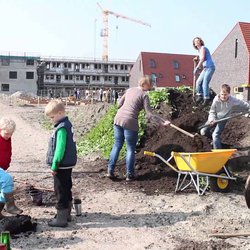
{"type": "Point", "coordinates": [204, 162]}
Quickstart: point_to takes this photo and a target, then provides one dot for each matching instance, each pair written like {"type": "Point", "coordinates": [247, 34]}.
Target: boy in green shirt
{"type": "Point", "coordinates": [61, 157]}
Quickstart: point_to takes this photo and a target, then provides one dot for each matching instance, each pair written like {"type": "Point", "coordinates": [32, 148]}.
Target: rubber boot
{"type": "Point", "coordinates": [247, 191]}
{"type": "Point", "coordinates": [1, 209]}
{"type": "Point", "coordinates": [10, 204]}
{"type": "Point", "coordinates": [69, 218]}
{"type": "Point", "coordinates": [61, 219]}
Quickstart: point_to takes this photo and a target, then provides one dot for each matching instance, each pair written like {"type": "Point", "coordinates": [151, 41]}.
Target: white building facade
{"type": "Point", "coordinates": [18, 73]}
{"type": "Point", "coordinates": [61, 76]}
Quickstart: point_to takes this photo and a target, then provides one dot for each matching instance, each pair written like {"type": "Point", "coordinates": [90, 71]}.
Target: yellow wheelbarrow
{"type": "Point", "coordinates": [203, 168]}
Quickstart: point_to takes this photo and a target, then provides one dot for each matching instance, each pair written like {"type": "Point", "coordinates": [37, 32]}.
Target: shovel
{"type": "Point", "coordinates": [224, 119]}
{"type": "Point", "coordinates": [194, 82]}
{"type": "Point", "coordinates": [183, 131]}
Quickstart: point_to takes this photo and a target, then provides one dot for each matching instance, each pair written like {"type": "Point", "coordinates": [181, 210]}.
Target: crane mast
{"type": "Point", "coordinates": [105, 29]}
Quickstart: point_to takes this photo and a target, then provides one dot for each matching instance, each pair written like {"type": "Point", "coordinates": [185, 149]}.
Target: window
{"type": "Point", "coordinates": [236, 48]}
{"type": "Point", "coordinates": [125, 78]}
{"type": "Point", "coordinates": [13, 75]}
{"type": "Point", "coordinates": [87, 79]}
{"type": "Point", "coordinates": [176, 65]}
{"type": "Point", "coordinates": [116, 80]}
{"type": "Point", "coordinates": [58, 78]}
{"type": "Point", "coordinates": [5, 87]}
{"type": "Point", "coordinates": [105, 68]}
{"type": "Point", "coordinates": [29, 62]}
{"type": "Point", "coordinates": [29, 75]}
{"type": "Point", "coordinates": [152, 64]}
{"type": "Point", "coordinates": [5, 62]}
{"type": "Point", "coordinates": [177, 78]}
{"type": "Point", "coordinates": [154, 79]}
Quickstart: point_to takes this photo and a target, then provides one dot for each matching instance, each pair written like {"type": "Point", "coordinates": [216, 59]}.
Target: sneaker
{"type": "Point", "coordinates": [130, 177]}
{"type": "Point", "coordinates": [206, 102]}
{"type": "Point", "coordinates": [199, 99]}
{"type": "Point", "coordinates": [111, 175]}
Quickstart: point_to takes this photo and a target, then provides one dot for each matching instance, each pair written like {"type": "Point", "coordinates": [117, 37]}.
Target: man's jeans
{"type": "Point", "coordinates": [202, 83]}
{"type": "Point", "coordinates": [130, 137]}
{"type": "Point", "coordinates": [216, 133]}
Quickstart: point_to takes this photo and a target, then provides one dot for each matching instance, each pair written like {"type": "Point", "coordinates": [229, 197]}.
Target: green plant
{"type": "Point", "coordinates": [99, 138]}
{"type": "Point", "coordinates": [183, 89]}
{"type": "Point", "coordinates": [158, 96]}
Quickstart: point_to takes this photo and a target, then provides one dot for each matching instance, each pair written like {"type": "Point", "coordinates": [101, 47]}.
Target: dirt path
{"type": "Point", "coordinates": [119, 217]}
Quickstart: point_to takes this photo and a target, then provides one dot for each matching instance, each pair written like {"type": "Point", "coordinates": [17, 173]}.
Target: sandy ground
{"type": "Point", "coordinates": [118, 218]}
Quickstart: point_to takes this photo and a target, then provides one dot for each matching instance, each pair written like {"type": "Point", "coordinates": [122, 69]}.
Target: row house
{"type": "Point", "coordinates": [232, 61]}
{"type": "Point", "coordinates": [165, 69]}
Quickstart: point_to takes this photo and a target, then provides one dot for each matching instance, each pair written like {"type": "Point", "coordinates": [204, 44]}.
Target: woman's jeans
{"type": "Point", "coordinates": [202, 83]}
{"type": "Point", "coordinates": [6, 184]}
{"type": "Point", "coordinates": [130, 137]}
{"type": "Point", "coordinates": [216, 133]}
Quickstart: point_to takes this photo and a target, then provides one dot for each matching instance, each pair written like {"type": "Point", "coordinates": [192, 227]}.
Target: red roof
{"type": "Point", "coordinates": [245, 29]}
{"type": "Point", "coordinates": [166, 68]}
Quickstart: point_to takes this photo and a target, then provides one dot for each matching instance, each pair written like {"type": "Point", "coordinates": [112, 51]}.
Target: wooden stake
{"type": "Point", "coordinates": [228, 235]}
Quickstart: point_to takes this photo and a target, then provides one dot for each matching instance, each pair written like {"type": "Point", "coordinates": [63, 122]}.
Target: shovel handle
{"type": "Point", "coordinates": [182, 130]}
{"type": "Point", "coordinates": [224, 119]}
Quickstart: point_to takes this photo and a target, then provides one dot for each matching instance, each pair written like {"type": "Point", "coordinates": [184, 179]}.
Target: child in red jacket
{"type": "Point", "coordinates": [7, 128]}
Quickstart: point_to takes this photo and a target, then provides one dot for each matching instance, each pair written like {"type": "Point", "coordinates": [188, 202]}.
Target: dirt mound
{"type": "Point", "coordinates": [154, 176]}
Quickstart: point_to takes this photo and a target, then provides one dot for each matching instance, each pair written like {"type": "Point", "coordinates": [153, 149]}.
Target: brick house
{"type": "Point", "coordinates": [232, 61]}
{"type": "Point", "coordinates": [166, 70]}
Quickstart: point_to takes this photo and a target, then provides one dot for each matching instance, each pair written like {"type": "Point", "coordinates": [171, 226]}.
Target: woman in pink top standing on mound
{"type": "Point", "coordinates": [126, 125]}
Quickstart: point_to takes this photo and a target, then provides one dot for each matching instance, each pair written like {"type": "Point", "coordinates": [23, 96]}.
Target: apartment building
{"type": "Point", "coordinates": [62, 76]}
{"type": "Point", "coordinates": [18, 73]}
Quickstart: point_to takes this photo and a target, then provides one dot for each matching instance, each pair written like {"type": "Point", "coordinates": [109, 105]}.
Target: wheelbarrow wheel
{"type": "Point", "coordinates": [218, 184]}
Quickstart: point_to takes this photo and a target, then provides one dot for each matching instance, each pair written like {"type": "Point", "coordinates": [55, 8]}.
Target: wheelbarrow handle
{"type": "Point", "coordinates": [149, 153]}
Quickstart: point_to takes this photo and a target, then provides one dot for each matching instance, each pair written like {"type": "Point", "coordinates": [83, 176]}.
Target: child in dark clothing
{"type": "Point", "coordinates": [7, 128]}
{"type": "Point", "coordinates": [61, 157]}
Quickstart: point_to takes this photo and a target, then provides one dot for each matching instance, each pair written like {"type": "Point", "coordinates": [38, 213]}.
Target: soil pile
{"type": "Point", "coordinates": [154, 176]}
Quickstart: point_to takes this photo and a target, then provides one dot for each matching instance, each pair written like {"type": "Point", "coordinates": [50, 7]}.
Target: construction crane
{"type": "Point", "coordinates": [105, 29]}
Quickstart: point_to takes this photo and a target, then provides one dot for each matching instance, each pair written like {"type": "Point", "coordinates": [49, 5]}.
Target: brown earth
{"type": "Point", "coordinates": [145, 214]}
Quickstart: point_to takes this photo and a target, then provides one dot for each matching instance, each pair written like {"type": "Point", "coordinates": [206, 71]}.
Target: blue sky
{"type": "Point", "coordinates": [71, 28]}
